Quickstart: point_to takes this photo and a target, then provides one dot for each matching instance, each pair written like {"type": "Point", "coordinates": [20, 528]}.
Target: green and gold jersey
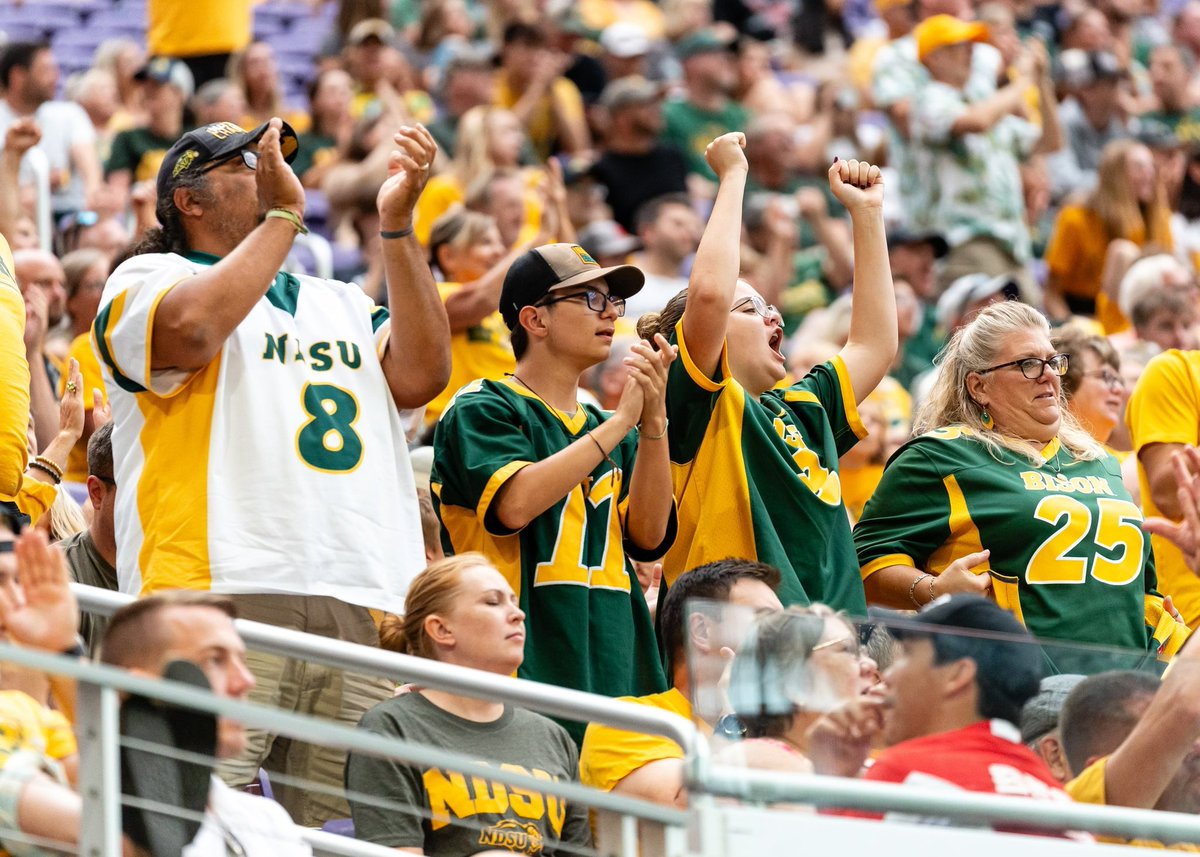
{"type": "Point", "coordinates": [1068, 556]}
{"type": "Point", "coordinates": [758, 477]}
{"type": "Point", "coordinates": [587, 623]}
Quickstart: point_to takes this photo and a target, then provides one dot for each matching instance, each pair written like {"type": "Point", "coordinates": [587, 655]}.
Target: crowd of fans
{"type": "Point", "coordinates": [671, 350]}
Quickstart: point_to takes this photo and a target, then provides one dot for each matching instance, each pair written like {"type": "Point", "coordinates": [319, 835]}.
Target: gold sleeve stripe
{"type": "Point", "coordinates": [886, 562]}
{"type": "Point", "coordinates": [848, 401]}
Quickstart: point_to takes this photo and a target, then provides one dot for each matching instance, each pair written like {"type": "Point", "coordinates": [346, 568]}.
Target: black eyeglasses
{"type": "Point", "coordinates": [761, 307]}
{"type": "Point", "coordinates": [596, 301]}
{"type": "Point", "coordinates": [1033, 367]}
{"type": "Point", "coordinates": [249, 158]}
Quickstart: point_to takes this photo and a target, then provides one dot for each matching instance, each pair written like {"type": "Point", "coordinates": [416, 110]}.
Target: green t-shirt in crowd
{"type": "Point", "coordinates": [138, 150]}
{"type": "Point", "coordinates": [587, 623]}
{"type": "Point", "coordinates": [453, 814]}
{"type": "Point", "coordinates": [1185, 124]}
{"type": "Point", "coordinates": [314, 149]}
{"type": "Point", "coordinates": [692, 128]}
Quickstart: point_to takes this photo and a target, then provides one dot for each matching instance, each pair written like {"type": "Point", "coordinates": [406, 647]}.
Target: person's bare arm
{"type": "Point", "coordinates": [87, 164]}
{"type": "Point", "coordinates": [715, 269]}
{"type": "Point", "coordinates": [69, 426]}
{"type": "Point", "coordinates": [1139, 770]}
{"type": "Point", "coordinates": [831, 234]}
{"type": "Point", "coordinates": [871, 347]}
{"type": "Point", "coordinates": [1185, 533]}
{"type": "Point", "coordinates": [42, 403]}
{"type": "Point", "coordinates": [650, 491]}
{"type": "Point", "coordinates": [196, 317]}
{"type": "Point", "coordinates": [774, 275]}
{"type": "Point", "coordinates": [1052, 138]}
{"type": "Point", "coordinates": [1056, 304]}
{"type": "Point", "coordinates": [416, 361]}
{"type": "Point", "coordinates": [893, 586]}
{"type": "Point", "coordinates": [21, 136]}
{"type": "Point", "coordinates": [1157, 458]}
{"type": "Point", "coordinates": [660, 781]}
{"type": "Point", "coordinates": [982, 115]}
{"type": "Point", "coordinates": [569, 121]}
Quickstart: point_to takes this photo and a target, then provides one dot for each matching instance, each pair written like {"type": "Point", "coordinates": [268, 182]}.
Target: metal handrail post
{"type": "Point", "coordinates": [99, 734]}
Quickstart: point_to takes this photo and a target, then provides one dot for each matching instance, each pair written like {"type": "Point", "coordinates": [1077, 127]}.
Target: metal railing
{"type": "Point", "coordinates": [705, 780]}
{"type": "Point", "coordinates": [99, 737]}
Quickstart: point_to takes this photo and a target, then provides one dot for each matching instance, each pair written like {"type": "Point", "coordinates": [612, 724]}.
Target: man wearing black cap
{"type": "Point", "coordinates": [559, 494]}
{"type": "Point", "coordinates": [257, 435]}
{"type": "Point", "coordinates": [964, 668]}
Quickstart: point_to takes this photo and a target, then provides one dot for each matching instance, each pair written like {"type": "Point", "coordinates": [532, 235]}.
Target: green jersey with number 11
{"type": "Point", "coordinates": [587, 623]}
{"type": "Point", "coordinates": [1068, 555]}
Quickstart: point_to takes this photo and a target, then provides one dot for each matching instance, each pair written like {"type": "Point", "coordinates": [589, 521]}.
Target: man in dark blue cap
{"type": "Point", "coordinates": [257, 434]}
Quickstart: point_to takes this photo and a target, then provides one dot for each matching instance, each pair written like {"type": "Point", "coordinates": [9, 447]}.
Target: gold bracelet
{"type": "Point", "coordinates": [932, 581]}
{"type": "Point", "coordinates": [658, 436]}
{"type": "Point", "coordinates": [912, 590]}
{"type": "Point", "coordinates": [49, 465]}
{"type": "Point", "coordinates": [607, 457]}
{"type": "Point", "coordinates": [291, 217]}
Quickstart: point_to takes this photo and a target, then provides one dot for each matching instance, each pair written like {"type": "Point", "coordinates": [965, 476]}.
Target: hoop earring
{"type": "Point", "coordinates": [986, 419]}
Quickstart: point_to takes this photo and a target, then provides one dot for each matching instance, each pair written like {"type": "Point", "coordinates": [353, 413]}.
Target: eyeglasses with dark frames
{"type": "Point", "coordinates": [596, 301]}
{"type": "Point", "coordinates": [249, 158]}
{"type": "Point", "coordinates": [1033, 367]}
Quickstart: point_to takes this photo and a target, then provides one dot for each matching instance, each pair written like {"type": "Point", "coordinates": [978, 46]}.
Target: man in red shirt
{"type": "Point", "coordinates": [964, 667]}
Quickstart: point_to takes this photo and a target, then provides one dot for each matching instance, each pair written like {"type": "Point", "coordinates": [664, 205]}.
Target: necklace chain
{"type": "Point", "coordinates": [523, 383]}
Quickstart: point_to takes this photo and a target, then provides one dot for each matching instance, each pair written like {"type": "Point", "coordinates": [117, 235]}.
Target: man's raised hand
{"type": "Point", "coordinates": [408, 171]}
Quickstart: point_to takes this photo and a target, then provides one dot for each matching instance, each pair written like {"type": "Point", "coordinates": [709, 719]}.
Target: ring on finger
{"type": "Point", "coordinates": [71, 388]}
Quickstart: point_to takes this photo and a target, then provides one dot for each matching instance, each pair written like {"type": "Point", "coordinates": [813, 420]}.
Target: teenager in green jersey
{"type": "Point", "coordinates": [1002, 492]}
{"type": "Point", "coordinates": [560, 495]}
{"type": "Point", "coordinates": [755, 466]}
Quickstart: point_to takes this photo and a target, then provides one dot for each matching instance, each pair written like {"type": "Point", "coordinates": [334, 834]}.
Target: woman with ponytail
{"type": "Point", "coordinates": [756, 466]}
{"type": "Point", "coordinates": [461, 611]}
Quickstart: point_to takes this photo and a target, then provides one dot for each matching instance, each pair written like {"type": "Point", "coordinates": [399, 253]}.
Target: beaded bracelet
{"type": "Point", "coordinates": [53, 476]}
{"type": "Point", "coordinates": [47, 463]}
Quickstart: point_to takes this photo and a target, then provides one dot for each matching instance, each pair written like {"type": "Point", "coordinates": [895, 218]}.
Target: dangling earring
{"type": "Point", "coordinates": [986, 419]}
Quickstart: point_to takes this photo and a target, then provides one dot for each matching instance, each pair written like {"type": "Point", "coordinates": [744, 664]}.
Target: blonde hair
{"type": "Point", "coordinates": [1114, 202]}
{"type": "Point", "coordinates": [471, 156]}
{"type": "Point", "coordinates": [459, 227]}
{"type": "Point", "coordinates": [973, 348]}
{"type": "Point", "coordinates": [65, 516]}
{"type": "Point", "coordinates": [434, 591]}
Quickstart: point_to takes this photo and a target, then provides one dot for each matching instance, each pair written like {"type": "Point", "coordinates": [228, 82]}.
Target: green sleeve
{"type": "Point", "coordinates": [121, 155]}
{"type": "Point", "coordinates": [830, 383]}
{"type": "Point", "coordinates": [907, 518]}
{"type": "Point", "coordinates": [387, 782]}
{"type": "Point", "coordinates": [691, 398]}
{"type": "Point", "coordinates": [478, 445]}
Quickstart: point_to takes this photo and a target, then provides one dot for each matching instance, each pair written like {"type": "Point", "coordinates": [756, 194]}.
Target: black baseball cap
{"type": "Point", "coordinates": [1009, 662]}
{"type": "Point", "coordinates": [214, 143]}
{"type": "Point", "coordinates": [556, 266]}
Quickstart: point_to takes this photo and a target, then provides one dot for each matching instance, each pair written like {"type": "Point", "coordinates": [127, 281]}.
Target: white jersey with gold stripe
{"type": "Point", "coordinates": [281, 466]}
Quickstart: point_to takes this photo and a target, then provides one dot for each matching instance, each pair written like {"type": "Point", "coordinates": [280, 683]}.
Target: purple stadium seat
{"type": "Point", "coordinates": [13, 32]}
{"type": "Point", "coordinates": [339, 827]}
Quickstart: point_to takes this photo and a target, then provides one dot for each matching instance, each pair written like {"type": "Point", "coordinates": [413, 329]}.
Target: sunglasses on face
{"type": "Point", "coordinates": [249, 158]}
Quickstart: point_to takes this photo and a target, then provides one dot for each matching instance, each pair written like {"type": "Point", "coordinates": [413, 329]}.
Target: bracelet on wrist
{"type": "Point", "coordinates": [53, 476]}
{"type": "Point", "coordinates": [932, 581]}
{"type": "Point", "coordinates": [291, 217]}
{"type": "Point", "coordinates": [52, 465]}
{"type": "Point", "coordinates": [912, 589]}
{"type": "Point", "coordinates": [658, 436]}
{"type": "Point", "coordinates": [396, 233]}
{"type": "Point", "coordinates": [607, 457]}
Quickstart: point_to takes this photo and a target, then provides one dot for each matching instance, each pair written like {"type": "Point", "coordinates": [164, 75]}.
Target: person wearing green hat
{"type": "Point", "coordinates": [707, 110]}
{"type": "Point", "coordinates": [257, 432]}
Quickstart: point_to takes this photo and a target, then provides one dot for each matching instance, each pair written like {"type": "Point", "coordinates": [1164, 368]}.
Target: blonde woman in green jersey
{"type": "Point", "coordinates": [755, 465]}
{"type": "Point", "coordinates": [1002, 493]}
